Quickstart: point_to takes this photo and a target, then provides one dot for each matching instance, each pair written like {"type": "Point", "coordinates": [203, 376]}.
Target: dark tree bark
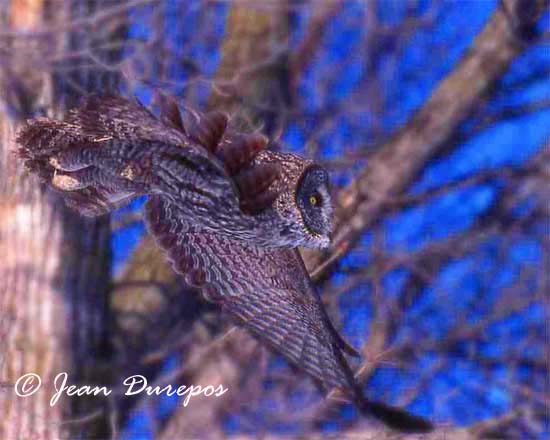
{"type": "Point", "coordinates": [56, 268]}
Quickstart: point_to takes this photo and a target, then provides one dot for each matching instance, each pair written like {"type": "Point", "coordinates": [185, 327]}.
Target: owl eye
{"type": "Point", "coordinates": [315, 199]}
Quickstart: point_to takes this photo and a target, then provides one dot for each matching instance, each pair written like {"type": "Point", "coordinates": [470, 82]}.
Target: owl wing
{"type": "Point", "coordinates": [269, 292]}
{"type": "Point", "coordinates": [112, 149]}
{"type": "Point", "coordinates": [122, 118]}
{"type": "Point", "coordinates": [99, 118]}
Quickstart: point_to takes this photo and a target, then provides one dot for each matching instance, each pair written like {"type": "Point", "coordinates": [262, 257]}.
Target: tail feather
{"type": "Point", "coordinates": [393, 417]}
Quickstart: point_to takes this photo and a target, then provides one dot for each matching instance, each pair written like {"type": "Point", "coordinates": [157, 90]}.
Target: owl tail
{"type": "Point", "coordinates": [393, 417]}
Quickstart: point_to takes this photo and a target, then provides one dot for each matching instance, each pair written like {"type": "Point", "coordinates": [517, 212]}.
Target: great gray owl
{"type": "Point", "coordinates": [228, 212]}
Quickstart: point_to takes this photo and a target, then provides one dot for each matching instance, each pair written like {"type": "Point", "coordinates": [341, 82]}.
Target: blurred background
{"type": "Point", "coordinates": [433, 118]}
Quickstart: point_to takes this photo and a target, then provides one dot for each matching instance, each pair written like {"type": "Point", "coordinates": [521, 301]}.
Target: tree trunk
{"type": "Point", "coordinates": [55, 269]}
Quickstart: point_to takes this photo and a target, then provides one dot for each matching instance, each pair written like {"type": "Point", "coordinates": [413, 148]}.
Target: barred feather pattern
{"type": "Point", "coordinates": [267, 290]}
{"type": "Point", "coordinates": [270, 293]}
{"type": "Point", "coordinates": [112, 149]}
{"type": "Point", "coordinates": [228, 213]}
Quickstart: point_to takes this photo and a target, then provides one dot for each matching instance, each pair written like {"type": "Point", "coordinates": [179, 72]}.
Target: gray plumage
{"type": "Point", "coordinates": [229, 214]}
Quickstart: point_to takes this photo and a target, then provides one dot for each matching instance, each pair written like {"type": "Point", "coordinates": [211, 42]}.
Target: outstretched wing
{"type": "Point", "coordinates": [98, 119]}
{"type": "Point", "coordinates": [269, 292]}
{"type": "Point", "coordinates": [112, 149]}
{"type": "Point", "coordinates": [121, 118]}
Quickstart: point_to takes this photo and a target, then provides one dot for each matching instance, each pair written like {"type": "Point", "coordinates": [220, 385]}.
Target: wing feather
{"type": "Point", "coordinates": [121, 118]}
{"type": "Point", "coordinates": [269, 293]}
{"type": "Point", "coordinates": [280, 306]}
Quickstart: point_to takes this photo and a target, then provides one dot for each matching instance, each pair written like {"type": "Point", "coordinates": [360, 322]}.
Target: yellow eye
{"type": "Point", "coordinates": [315, 199]}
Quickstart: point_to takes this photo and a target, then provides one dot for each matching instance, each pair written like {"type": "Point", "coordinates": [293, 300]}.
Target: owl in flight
{"type": "Point", "coordinates": [228, 212]}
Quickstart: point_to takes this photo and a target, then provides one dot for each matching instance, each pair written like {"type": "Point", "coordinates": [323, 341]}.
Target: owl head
{"type": "Point", "coordinates": [283, 199]}
{"type": "Point", "coordinates": [302, 213]}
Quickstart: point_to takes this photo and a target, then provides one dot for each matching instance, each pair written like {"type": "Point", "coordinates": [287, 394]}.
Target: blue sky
{"type": "Point", "coordinates": [407, 81]}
